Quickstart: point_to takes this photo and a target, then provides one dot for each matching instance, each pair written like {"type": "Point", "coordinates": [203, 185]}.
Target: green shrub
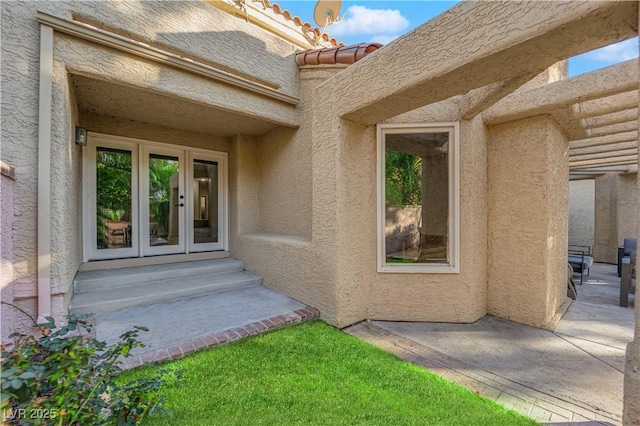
{"type": "Point", "coordinates": [65, 377]}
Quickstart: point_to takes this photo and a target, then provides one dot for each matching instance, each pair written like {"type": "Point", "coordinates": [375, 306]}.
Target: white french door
{"type": "Point", "coordinates": [147, 199]}
{"type": "Point", "coordinates": [206, 222]}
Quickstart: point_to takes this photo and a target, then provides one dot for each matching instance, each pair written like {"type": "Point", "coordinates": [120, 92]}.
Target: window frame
{"type": "Point", "coordinates": [453, 237]}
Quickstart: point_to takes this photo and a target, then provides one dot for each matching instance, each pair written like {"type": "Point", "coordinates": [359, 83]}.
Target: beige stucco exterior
{"type": "Point", "coordinates": [582, 212]}
{"type": "Point", "coordinates": [302, 147]}
{"type": "Point", "coordinates": [528, 219]}
{"type": "Point", "coordinates": [616, 217]}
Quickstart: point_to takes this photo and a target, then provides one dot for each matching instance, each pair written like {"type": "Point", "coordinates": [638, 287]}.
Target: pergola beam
{"type": "Point", "coordinates": [482, 98]}
{"type": "Point", "coordinates": [622, 153]}
{"type": "Point", "coordinates": [472, 45]}
{"type": "Point", "coordinates": [611, 118]}
{"type": "Point", "coordinates": [612, 80]}
{"type": "Point", "coordinates": [606, 105]}
{"type": "Point", "coordinates": [604, 148]}
{"type": "Point", "coordinates": [628, 159]}
{"type": "Point", "coordinates": [607, 168]}
{"type": "Point", "coordinates": [604, 140]}
{"type": "Point", "coordinates": [614, 129]}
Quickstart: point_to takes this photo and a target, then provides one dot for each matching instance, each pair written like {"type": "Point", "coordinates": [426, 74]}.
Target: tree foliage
{"type": "Point", "coordinates": [66, 377]}
{"type": "Point", "coordinates": [403, 178]}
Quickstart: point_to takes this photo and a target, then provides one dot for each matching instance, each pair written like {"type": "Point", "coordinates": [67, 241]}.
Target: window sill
{"type": "Point", "coordinates": [418, 269]}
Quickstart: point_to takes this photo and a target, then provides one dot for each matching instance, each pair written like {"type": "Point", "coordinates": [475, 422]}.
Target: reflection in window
{"type": "Point", "coordinates": [164, 226]}
{"type": "Point", "coordinates": [113, 198]}
{"type": "Point", "coordinates": [205, 200]}
{"type": "Point", "coordinates": [416, 203]}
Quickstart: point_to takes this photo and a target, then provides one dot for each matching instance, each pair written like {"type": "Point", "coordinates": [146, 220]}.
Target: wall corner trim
{"type": "Point", "coordinates": [44, 173]}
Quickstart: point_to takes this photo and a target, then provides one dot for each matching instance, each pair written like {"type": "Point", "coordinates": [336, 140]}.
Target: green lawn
{"type": "Point", "coordinates": [315, 374]}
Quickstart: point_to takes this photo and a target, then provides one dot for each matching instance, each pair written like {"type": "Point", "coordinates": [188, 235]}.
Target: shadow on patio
{"type": "Point", "coordinates": [573, 374]}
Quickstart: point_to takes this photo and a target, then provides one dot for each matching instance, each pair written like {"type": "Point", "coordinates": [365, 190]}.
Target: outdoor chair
{"type": "Point", "coordinates": [624, 252]}
{"type": "Point", "coordinates": [626, 281]}
{"type": "Point", "coordinates": [580, 259]}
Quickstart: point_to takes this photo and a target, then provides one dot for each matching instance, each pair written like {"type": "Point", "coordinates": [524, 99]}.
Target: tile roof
{"type": "Point", "coordinates": [336, 55]}
{"type": "Point", "coordinates": [307, 29]}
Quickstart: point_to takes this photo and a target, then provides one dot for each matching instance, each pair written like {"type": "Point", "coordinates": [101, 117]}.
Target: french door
{"type": "Point", "coordinates": [148, 199]}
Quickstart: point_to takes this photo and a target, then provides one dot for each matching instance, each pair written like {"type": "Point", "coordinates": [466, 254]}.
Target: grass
{"type": "Point", "coordinates": [315, 374]}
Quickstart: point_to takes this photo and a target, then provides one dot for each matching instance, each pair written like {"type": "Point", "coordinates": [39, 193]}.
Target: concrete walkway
{"type": "Point", "coordinates": [574, 374]}
{"type": "Point", "coordinates": [180, 327]}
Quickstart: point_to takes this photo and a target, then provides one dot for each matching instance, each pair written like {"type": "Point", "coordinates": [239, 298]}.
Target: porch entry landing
{"type": "Point", "coordinates": [186, 306]}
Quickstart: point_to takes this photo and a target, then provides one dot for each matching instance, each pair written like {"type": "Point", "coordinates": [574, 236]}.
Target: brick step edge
{"type": "Point", "coordinates": [231, 335]}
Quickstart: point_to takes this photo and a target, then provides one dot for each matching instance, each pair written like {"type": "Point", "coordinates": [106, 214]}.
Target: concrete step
{"type": "Point", "coordinates": [171, 288]}
{"type": "Point", "coordinates": [88, 281]}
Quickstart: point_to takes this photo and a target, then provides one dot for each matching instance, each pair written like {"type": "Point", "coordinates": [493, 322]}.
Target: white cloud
{"type": "Point", "coordinates": [383, 38]}
{"type": "Point", "coordinates": [362, 20]}
{"type": "Point", "coordinates": [618, 52]}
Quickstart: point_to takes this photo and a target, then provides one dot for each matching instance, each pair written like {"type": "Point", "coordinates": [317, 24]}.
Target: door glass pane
{"type": "Point", "coordinates": [164, 200]}
{"type": "Point", "coordinates": [205, 201]}
{"type": "Point", "coordinates": [113, 198]}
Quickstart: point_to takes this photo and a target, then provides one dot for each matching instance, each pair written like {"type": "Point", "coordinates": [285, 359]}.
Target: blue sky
{"type": "Point", "coordinates": [383, 21]}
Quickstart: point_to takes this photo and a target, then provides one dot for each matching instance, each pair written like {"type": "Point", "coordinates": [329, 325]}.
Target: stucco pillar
{"type": "Point", "coordinates": [528, 199]}
{"type": "Point", "coordinates": [7, 176]}
{"type": "Point", "coordinates": [606, 223]}
{"type": "Point", "coordinates": [631, 414]}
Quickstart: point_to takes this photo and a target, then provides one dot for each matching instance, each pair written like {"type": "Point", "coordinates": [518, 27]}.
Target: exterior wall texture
{"type": "Point", "coordinates": [628, 206]}
{"type": "Point", "coordinates": [616, 217]}
{"type": "Point", "coordinates": [631, 413]}
{"type": "Point", "coordinates": [9, 316]}
{"type": "Point", "coordinates": [528, 221]}
{"type": "Point", "coordinates": [457, 297]}
{"type": "Point", "coordinates": [193, 29]}
{"type": "Point", "coordinates": [582, 212]}
{"type": "Point", "coordinates": [263, 170]}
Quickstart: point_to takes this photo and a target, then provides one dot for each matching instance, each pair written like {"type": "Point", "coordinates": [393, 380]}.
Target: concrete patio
{"type": "Point", "coordinates": [573, 374]}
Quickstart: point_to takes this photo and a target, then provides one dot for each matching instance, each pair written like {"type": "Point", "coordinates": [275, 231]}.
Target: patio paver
{"type": "Point", "coordinates": [541, 407]}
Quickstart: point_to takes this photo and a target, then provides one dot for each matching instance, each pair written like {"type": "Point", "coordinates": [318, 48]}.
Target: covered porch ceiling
{"type": "Point", "coordinates": [102, 97]}
{"type": "Point", "coordinates": [598, 112]}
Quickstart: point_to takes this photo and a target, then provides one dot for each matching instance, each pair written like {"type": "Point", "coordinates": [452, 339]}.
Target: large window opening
{"type": "Point", "coordinates": [418, 198]}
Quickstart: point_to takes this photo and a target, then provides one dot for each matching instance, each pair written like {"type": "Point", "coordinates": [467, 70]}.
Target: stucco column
{"type": "Point", "coordinates": [631, 414]}
{"type": "Point", "coordinates": [528, 198]}
{"type": "Point", "coordinates": [606, 223]}
{"type": "Point", "coordinates": [7, 178]}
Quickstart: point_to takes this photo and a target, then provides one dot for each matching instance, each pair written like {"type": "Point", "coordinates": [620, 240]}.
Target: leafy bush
{"type": "Point", "coordinates": [65, 377]}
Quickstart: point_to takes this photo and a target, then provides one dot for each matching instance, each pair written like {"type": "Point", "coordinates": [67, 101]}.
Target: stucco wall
{"type": "Point", "coordinates": [528, 220]}
{"type": "Point", "coordinates": [616, 217]}
{"type": "Point", "coordinates": [66, 192]}
{"type": "Point", "coordinates": [275, 207]}
{"type": "Point", "coordinates": [606, 219]}
{"type": "Point", "coordinates": [631, 413]}
{"type": "Point", "coordinates": [285, 183]}
{"type": "Point", "coordinates": [628, 206]}
{"type": "Point", "coordinates": [426, 297]}
{"type": "Point", "coordinates": [192, 29]}
{"type": "Point", "coordinates": [582, 212]}
{"type": "Point", "coordinates": [152, 132]}
{"type": "Point", "coordinates": [8, 315]}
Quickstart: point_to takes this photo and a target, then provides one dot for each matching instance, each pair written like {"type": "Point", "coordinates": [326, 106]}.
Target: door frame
{"type": "Point", "coordinates": [138, 147]}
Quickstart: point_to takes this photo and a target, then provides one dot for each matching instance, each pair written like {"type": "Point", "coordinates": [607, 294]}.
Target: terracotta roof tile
{"type": "Point", "coordinates": [305, 26]}
{"type": "Point", "coordinates": [336, 55]}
